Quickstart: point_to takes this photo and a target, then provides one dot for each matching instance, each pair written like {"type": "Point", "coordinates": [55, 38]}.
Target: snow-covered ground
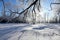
{"type": "Point", "coordinates": [30, 32]}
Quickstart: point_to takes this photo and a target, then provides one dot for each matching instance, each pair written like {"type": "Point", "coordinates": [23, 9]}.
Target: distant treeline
{"type": "Point", "coordinates": [14, 20]}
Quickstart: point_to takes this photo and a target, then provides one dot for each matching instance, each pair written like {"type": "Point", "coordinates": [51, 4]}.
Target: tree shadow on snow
{"type": "Point", "coordinates": [4, 31]}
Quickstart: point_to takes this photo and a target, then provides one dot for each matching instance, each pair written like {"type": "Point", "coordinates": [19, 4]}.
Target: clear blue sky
{"type": "Point", "coordinates": [45, 4]}
{"type": "Point", "coordinates": [46, 7]}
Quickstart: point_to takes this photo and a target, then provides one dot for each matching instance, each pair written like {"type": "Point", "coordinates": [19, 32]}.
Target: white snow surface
{"type": "Point", "coordinates": [30, 32]}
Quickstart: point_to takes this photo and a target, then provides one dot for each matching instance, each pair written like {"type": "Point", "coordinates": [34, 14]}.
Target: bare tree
{"type": "Point", "coordinates": [16, 9]}
{"type": "Point", "coordinates": [57, 10]}
{"type": "Point", "coordinates": [3, 7]}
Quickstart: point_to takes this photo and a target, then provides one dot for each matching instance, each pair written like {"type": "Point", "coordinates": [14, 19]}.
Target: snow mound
{"type": "Point", "coordinates": [44, 34]}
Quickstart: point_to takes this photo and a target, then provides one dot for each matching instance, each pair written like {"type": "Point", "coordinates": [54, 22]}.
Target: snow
{"type": "Point", "coordinates": [29, 32]}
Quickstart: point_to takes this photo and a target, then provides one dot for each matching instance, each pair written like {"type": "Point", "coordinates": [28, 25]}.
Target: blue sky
{"type": "Point", "coordinates": [44, 3]}
{"type": "Point", "coordinates": [46, 7]}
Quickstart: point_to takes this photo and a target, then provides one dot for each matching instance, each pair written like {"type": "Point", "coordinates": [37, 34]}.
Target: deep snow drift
{"type": "Point", "coordinates": [29, 32]}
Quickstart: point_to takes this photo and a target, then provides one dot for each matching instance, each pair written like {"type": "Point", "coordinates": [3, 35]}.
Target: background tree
{"type": "Point", "coordinates": [56, 10]}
